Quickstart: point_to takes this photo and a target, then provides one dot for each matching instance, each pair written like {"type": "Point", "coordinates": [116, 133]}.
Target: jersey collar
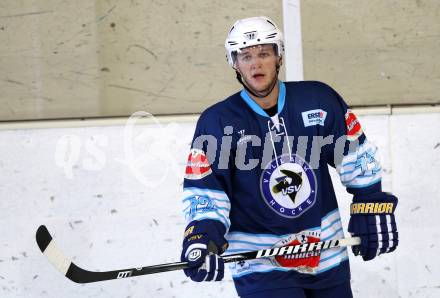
{"type": "Point", "coordinates": [257, 109]}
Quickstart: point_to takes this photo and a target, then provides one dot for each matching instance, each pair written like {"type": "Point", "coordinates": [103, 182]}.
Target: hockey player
{"type": "Point", "coordinates": [257, 178]}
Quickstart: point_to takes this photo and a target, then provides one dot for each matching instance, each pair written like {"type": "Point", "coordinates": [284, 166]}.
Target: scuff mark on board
{"type": "Point", "coordinates": [26, 14]}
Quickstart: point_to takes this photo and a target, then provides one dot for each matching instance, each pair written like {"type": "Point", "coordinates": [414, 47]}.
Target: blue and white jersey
{"type": "Point", "coordinates": [266, 180]}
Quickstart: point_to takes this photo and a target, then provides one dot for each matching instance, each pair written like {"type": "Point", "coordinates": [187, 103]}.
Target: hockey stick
{"type": "Point", "coordinates": [79, 275]}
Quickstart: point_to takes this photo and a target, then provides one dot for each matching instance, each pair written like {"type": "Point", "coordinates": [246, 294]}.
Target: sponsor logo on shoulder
{"type": "Point", "coordinates": [314, 117]}
{"type": "Point", "coordinates": [354, 129]}
{"type": "Point", "coordinates": [198, 165]}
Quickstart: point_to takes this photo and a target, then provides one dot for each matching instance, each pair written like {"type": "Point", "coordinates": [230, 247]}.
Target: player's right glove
{"type": "Point", "coordinates": [372, 219]}
{"type": "Point", "coordinates": [203, 243]}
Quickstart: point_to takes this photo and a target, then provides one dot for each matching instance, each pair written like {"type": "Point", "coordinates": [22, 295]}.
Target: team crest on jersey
{"type": "Point", "coordinates": [198, 165]}
{"type": "Point", "coordinates": [354, 129]}
{"type": "Point", "coordinates": [288, 186]}
{"type": "Point", "coordinates": [306, 262]}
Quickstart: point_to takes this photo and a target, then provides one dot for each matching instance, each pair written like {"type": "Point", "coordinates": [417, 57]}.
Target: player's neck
{"type": "Point", "coordinates": [268, 101]}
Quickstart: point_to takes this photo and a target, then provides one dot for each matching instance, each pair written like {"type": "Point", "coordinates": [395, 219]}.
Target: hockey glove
{"type": "Point", "coordinates": [372, 219]}
{"type": "Point", "coordinates": [203, 243]}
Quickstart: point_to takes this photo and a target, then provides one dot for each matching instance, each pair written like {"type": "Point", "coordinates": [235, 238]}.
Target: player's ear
{"type": "Point", "coordinates": [235, 67]}
{"type": "Point", "coordinates": [279, 63]}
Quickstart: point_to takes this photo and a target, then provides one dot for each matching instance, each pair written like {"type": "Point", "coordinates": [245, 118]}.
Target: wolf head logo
{"type": "Point", "coordinates": [289, 184]}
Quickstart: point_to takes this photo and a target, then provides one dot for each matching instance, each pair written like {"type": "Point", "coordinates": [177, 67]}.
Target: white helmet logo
{"type": "Point", "coordinates": [250, 35]}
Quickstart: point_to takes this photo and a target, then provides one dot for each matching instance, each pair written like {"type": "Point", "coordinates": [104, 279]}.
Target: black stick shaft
{"type": "Point", "coordinates": [80, 275]}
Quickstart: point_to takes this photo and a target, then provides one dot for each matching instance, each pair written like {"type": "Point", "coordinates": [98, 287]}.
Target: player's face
{"type": "Point", "coordinates": [257, 66]}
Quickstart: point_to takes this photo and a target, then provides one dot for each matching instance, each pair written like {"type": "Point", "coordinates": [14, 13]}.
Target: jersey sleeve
{"type": "Point", "coordinates": [206, 185]}
{"type": "Point", "coordinates": [352, 154]}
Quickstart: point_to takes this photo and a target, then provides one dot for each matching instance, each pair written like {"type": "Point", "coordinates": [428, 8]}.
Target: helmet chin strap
{"type": "Point", "coordinates": [239, 78]}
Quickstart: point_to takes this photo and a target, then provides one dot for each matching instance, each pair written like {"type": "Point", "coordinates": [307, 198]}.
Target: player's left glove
{"type": "Point", "coordinates": [372, 219]}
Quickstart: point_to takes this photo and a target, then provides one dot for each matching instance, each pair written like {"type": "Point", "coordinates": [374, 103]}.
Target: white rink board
{"type": "Point", "coordinates": [109, 211]}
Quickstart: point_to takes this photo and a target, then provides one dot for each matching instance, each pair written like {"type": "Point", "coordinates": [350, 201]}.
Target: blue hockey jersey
{"type": "Point", "coordinates": [266, 180]}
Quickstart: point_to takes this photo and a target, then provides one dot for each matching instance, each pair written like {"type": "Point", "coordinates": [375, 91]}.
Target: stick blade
{"type": "Point", "coordinates": [43, 237]}
{"type": "Point", "coordinates": [49, 248]}
{"type": "Point", "coordinates": [64, 265]}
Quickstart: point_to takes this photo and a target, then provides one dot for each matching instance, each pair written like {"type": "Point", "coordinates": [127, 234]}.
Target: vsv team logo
{"type": "Point", "coordinates": [288, 186]}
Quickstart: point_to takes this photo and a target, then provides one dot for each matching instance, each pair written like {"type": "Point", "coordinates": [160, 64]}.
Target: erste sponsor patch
{"type": "Point", "coordinates": [314, 117]}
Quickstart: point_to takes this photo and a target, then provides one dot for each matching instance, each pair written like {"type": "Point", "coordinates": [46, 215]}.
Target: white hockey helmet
{"type": "Point", "coordinates": [250, 32]}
